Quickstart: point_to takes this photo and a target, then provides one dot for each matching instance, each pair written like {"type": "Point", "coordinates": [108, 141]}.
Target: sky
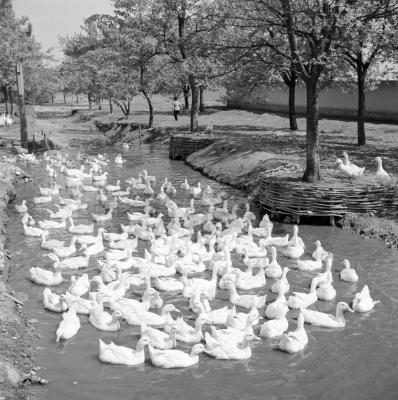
{"type": "Point", "coordinates": [54, 18]}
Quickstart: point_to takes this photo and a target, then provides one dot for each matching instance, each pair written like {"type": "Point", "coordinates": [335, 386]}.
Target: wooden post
{"type": "Point", "coordinates": [139, 131]}
{"type": "Point", "coordinates": [21, 102]}
{"type": "Point", "coordinates": [33, 143]}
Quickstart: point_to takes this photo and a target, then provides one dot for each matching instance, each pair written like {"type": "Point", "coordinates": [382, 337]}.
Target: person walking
{"type": "Point", "coordinates": [176, 108]}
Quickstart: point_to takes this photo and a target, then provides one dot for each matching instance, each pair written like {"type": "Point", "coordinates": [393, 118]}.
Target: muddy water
{"type": "Point", "coordinates": [357, 362]}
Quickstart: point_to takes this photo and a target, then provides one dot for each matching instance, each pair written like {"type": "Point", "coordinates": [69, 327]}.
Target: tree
{"type": "Point", "coordinates": [370, 38]}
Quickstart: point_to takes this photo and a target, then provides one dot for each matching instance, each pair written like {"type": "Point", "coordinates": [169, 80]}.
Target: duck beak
{"type": "Point", "coordinates": [350, 310]}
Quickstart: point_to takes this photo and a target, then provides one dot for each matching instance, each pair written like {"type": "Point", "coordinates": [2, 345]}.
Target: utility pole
{"type": "Point", "coordinates": [21, 102]}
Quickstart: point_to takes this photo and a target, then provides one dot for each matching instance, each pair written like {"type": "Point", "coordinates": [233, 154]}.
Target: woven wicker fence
{"type": "Point", "coordinates": [181, 146]}
{"type": "Point", "coordinates": [290, 196]}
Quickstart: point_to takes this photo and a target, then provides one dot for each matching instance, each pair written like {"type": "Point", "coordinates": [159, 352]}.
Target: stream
{"type": "Point", "coordinates": [356, 362]}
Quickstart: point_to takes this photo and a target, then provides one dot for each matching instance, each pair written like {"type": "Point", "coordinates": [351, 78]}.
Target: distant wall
{"type": "Point", "coordinates": [334, 102]}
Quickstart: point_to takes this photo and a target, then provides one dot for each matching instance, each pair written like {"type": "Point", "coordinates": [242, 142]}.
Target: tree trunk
{"type": "Point", "coordinates": [292, 104]}
{"type": "Point", "coordinates": [11, 97]}
{"type": "Point", "coordinates": [185, 90]}
{"type": "Point", "coordinates": [312, 173]}
{"type": "Point", "coordinates": [150, 106]}
{"type": "Point", "coordinates": [193, 81]}
{"type": "Point", "coordinates": [110, 106]}
{"type": "Point", "coordinates": [89, 101]}
{"type": "Point", "coordinates": [52, 98]}
{"type": "Point", "coordinates": [64, 97]}
{"type": "Point", "coordinates": [201, 99]}
{"type": "Point", "coordinates": [5, 94]}
{"type": "Point", "coordinates": [77, 98]}
{"type": "Point", "coordinates": [361, 106]}
{"type": "Point", "coordinates": [125, 107]}
{"type": "Point", "coordinates": [99, 104]}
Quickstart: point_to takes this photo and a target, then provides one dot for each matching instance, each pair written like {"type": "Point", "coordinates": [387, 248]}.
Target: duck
{"type": "Point", "coordinates": [188, 334]}
{"type": "Point", "coordinates": [274, 309]}
{"type": "Point", "coordinates": [293, 342]}
{"type": "Point", "coordinates": [175, 358]}
{"type": "Point", "coordinates": [275, 327]}
{"type": "Point", "coordinates": [50, 244]}
{"type": "Point", "coordinates": [266, 222]}
{"type": "Point", "coordinates": [347, 170]}
{"type": "Point", "coordinates": [53, 302]}
{"type": "Point", "coordinates": [27, 219]}
{"type": "Point", "coordinates": [363, 302]}
{"type": "Point", "coordinates": [382, 177]}
{"type": "Point", "coordinates": [93, 249]}
{"type": "Point", "coordinates": [66, 251]}
{"type": "Point", "coordinates": [324, 320]}
{"type": "Point", "coordinates": [89, 188]}
{"type": "Point", "coordinates": [82, 306]}
{"type": "Point", "coordinates": [234, 335]}
{"type": "Point", "coordinates": [80, 229]}
{"type": "Point", "coordinates": [185, 185]}
{"type": "Point", "coordinates": [113, 188]}
{"type": "Point", "coordinates": [45, 277]}
{"type": "Point", "coordinates": [79, 286]}
{"type": "Point", "coordinates": [42, 199]}
{"type": "Point", "coordinates": [148, 189]}
{"type": "Point", "coordinates": [326, 291]}
{"type": "Point", "coordinates": [70, 263]}
{"type": "Point", "coordinates": [119, 159]}
{"type": "Point", "coordinates": [101, 196]}
{"type": "Point", "coordinates": [248, 215]}
{"type": "Point", "coordinates": [356, 170]}
{"type": "Point", "coordinates": [102, 217]}
{"type": "Point", "coordinates": [225, 350]}
{"type": "Point", "coordinates": [319, 252]}
{"type": "Point", "coordinates": [248, 281]}
{"type": "Point", "coordinates": [295, 248]}
{"type": "Point", "coordinates": [348, 274]}
{"type": "Point", "coordinates": [244, 301]}
{"type": "Point", "coordinates": [21, 208]}
{"type": "Point", "coordinates": [34, 232]}
{"type": "Point", "coordinates": [146, 177]}
{"type": "Point", "coordinates": [46, 224]}
{"type": "Point", "coordinates": [239, 320]}
{"type": "Point", "coordinates": [122, 355]}
{"type": "Point", "coordinates": [196, 191]}
{"type": "Point", "coordinates": [62, 213]}
{"type": "Point", "coordinates": [168, 284]}
{"type": "Point", "coordinates": [310, 265]}
{"type": "Point", "coordinates": [303, 300]}
{"type": "Point", "coordinates": [281, 283]}
{"type": "Point", "coordinates": [274, 270]}
{"type": "Point", "coordinates": [69, 326]}
{"type": "Point", "coordinates": [136, 202]}
{"type": "Point", "coordinates": [159, 339]}
{"type": "Point", "coordinates": [104, 321]}
{"type": "Point", "coordinates": [216, 316]}
{"type": "Point", "coordinates": [278, 241]}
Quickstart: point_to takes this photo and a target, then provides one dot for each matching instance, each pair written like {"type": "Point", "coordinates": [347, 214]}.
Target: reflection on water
{"type": "Point", "coordinates": [357, 362]}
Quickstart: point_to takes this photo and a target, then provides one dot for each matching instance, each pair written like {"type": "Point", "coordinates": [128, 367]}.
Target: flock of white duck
{"type": "Point", "coordinates": [347, 168]}
{"type": "Point", "coordinates": [171, 263]}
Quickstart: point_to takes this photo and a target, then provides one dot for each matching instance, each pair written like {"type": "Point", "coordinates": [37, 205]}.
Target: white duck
{"type": "Point", "coordinates": [196, 191]}
{"type": "Point", "coordinates": [293, 342]}
{"type": "Point", "coordinates": [67, 250]}
{"type": "Point", "coordinates": [185, 185]}
{"type": "Point", "coordinates": [104, 321]}
{"type": "Point", "coordinates": [175, 358]}
{"type": "Point", "coordinates": [225, 350]}
{"type": "Point", "coordinates": [274, 270]}
{"type": "Point", "coordinates": [275, 327]}
{"type": "Point", "coordinates": [382, 176]}
{"type": "Point", "coordinates": [348, 274]}
{"type": "Point", "coordinates": [159, 339]}
{"type": "Point", "coordinates": [326, 291]}
{"type": "Point", "coordinates": [363, 302]}
{"type": "Point", "coordinates": [53, 302]}
{"type": "Point", "coordinates": [45, 277]}
{"type": "Point", "coordinates": [82, 306]}
{"type": "Point", "coordinates": [304, 300]}
{"type": "Point", "coordinates": [281, 283]}
{"type": "Point", "coordinates": [21, 208]}
{"type": "Point", "coordinates": [34, 232]}
{"type": "Point", "coordinates": [324, 320]}
{"type": "Point", "coordinates": [69, 326]}
{"type": "Point", "coordinates": [122, 355]}
{"type": "Point", "coordinates": [245, 300]}
{"type": "Point", "coordinates": [46, 224]}
{"type": "Point", "coordinates": [79, 286]}
{"type": "Point", "coordinates": [347, 170]}
{"type": "Point", "coordinates": [310, 265]}
{"type": "Point", "coordinates": [80, 229]}
{"type": "Point", "coordinates": [355, 169]}
{"type": "Point", "coordinates": [319, 252]}
{"type": "Point", "coordinates": [113, 188]}
{"type": "Point", "coordinates": [102, 217]}
{"type": "Point", "coordinates": [70, 262]}
{"type": "Point", "coordinates": [276, 307]}
{"type": "Point", "coordinates": [295, 248]}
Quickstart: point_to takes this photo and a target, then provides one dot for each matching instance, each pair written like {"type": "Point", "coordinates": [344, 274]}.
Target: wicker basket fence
{"type": "Point", "coordinates": [181, 146]}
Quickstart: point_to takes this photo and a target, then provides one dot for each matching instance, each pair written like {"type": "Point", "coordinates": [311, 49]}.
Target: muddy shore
{"type": "Point", "coordinates": [17, 366]}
